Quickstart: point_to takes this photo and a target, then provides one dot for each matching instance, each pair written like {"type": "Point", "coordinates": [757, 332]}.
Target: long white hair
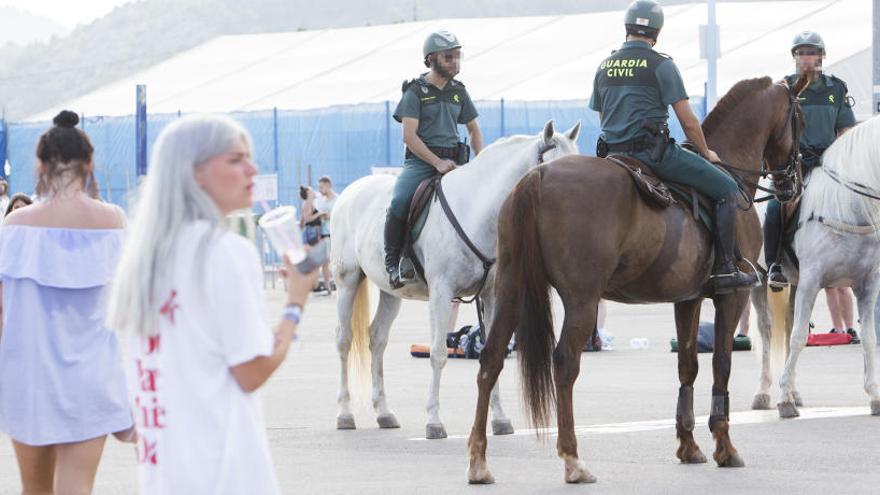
{"type": "Point", "coordinates": [169, 200]}
{"type": "Point", "coordinates": [854, 158]}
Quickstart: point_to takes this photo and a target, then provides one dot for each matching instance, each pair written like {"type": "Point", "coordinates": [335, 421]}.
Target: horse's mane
{"type": "Point", "coordinates": [739, 92]}
{"type": "Point", "coordinates": [855, 158]}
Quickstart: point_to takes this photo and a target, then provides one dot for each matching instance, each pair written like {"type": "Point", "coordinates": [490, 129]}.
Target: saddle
{"type": "Point", "coordinates": [662, 194]}
{"type": "Point", "coordinates": [419, 207]}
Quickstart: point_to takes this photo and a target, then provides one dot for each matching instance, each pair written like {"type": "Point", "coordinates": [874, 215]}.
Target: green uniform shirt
{"type": "Point", "coordinates": [826, 110]}
{"type": "Point", "coordinates": [439, 111]}
{"type": "Point", "coordinates": [633, 84]}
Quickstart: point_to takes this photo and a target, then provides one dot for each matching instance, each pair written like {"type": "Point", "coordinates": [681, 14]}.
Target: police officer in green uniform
{"type": "Point", "coordinates": [827, 113]}
{"type": "Point", "coordinates": [431, 108]}
{"type": "Point", "coordinates": [632, 90]}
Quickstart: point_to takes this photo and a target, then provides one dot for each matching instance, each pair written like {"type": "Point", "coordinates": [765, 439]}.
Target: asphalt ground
{"type": "Point", "coordinates": [624, 409]}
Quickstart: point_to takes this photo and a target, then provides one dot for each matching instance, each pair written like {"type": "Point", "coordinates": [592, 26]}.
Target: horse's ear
{"type": "Point", "coordinates": [548, 131]}
{"type": "Point", "coordinates": [802, 83]}
{"type": "Point", "coordinates": [574, 131]}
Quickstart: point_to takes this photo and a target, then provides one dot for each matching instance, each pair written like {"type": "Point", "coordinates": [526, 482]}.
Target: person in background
{"type": "Point", "coordinates": [189, 294]}
{"type": "Point", "coordinates": [18, 200]}
{"type": "Point", "coordinates": [62, 384]}
{"type": "Point", "coordinates": [324, 205]}
{"type": "Point", "coordinates": [4, 195]}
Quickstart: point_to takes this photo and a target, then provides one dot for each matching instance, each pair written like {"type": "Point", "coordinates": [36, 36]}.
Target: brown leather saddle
{"type": "Point", "coordinates": [415, 221]}
{"type": "Point", "coordinates": [663, 194]}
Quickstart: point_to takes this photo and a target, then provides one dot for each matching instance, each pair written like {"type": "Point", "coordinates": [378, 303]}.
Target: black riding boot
{"type": "Point", "coordinates": [393, 244]}
{"type": "Point", "coordinates": [772, 235]}
{"type": "Point", "coordinates": [727, 277]}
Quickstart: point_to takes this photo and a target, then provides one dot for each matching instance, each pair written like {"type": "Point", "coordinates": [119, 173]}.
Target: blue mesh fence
{"type": "Point", "coordinates": [343, 142]}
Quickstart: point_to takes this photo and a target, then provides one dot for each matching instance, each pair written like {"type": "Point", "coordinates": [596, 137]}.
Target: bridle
{"type": "Point", "coordinates": [789, 176]}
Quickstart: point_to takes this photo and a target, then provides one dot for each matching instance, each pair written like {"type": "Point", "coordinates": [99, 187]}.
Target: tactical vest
{"type": "Point", "coordinates": [631, 67]}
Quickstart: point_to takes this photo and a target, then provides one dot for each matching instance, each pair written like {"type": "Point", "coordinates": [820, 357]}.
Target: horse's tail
{"type": "Point", "coordinates": [359, 354]}
{"type": "Point", "coordinates": [778, 302]}
{"type": "Point", "coordinates": [518, 234]}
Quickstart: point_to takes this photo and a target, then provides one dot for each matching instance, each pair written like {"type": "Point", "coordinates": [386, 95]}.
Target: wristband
{"type": "Point", "coordinates": [292, 313]}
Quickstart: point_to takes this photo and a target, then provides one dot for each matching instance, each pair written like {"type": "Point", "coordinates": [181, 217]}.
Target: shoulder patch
{"type": "Point", "coordinates": [406, 85]}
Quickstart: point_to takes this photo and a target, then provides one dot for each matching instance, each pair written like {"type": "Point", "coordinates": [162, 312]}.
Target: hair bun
{"type": "Point", "coordinates": [66, 118]}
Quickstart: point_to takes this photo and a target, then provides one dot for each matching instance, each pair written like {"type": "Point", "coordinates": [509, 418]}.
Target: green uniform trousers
{"type": "Point", "coordinates": [685, 167]}
{"type": "Point", "coordinates": [414, 172]}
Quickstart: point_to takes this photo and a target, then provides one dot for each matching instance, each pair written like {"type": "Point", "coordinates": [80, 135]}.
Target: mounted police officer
{"type": "Point", "coordinates": [431, 108]}
{"type": "Point", "coordinates": [827, 113]}
{"type": "Point", "coordinates": [632, 90]}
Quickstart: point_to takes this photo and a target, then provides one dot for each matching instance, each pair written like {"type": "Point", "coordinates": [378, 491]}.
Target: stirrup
{"type": "Point", "coordinates": [776, 281]}
{"type": "Point", "coordinates": [406, 270]}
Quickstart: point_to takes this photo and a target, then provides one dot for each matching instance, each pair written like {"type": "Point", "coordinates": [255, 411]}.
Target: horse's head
{"type": "Point", "coordinates": [552, 145]}
{"type": "Point", "coordinates": [782, 154]}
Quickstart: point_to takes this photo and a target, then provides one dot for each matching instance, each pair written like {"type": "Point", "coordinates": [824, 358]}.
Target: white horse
{"type": "Point", "coordinates": [475, 193]}
{"type": "Point", "coordinates": [837, 245]}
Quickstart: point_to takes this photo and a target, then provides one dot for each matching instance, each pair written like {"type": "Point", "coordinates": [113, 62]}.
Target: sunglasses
{"type": "Point", "coordinates": [450, 56]}
{"type": "Point", "coordinates": [807, 53]}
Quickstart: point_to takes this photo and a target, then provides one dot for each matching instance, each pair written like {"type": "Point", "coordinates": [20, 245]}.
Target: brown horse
{"type": "Point", "coordinates": [578, 224]}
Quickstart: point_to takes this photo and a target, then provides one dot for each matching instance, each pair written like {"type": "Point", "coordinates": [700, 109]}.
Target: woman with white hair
{"type": "Point", "coordinates": [190, 292]}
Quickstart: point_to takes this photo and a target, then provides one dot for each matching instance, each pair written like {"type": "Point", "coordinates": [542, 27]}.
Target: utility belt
{"type": "Point", "coordinates": [460, 154]}
{"type": "Point", "coordinates": [655, 142]}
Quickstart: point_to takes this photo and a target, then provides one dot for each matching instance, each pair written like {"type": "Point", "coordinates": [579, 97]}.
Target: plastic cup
{"type": "Point", "coordinates": [282, 228]}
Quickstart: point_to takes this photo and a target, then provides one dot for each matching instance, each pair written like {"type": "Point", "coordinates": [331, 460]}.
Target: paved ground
{"type": "Point", "coordinates": [834, 450]}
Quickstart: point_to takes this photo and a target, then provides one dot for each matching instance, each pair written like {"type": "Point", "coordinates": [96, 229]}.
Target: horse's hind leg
{"type": "Point", "coordinates": [491, 362]}
{"type": "Point", "coordinates": [762, 311]}
{"type": "Point", "coordinates": [380, 328]}
{"type": "Point", "coordinates": [727, 310]}
{"type": "Point", "coordinates": [866, 295]}
{"type": "Point", "coordinates": [580, 319]}
{"type": "Point", "coordinates": [347, 287]}
{"type": "Point", "coordinates": [687, 315]}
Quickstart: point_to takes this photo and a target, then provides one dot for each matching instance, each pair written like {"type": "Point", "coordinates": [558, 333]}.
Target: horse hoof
{"type": "Point", "coordinates": [787, 410]}
{"type": "Point", "coordinates": [733, 461]}
{"type": "Point", "coordinates": [345, 422]}
{"type": "Point", "coordinates": [502, 427]}
{"type": "Point", "coordinates": [798, 401]}
{"type": "Point", "coordinates": [761, 402]}
{"type": "Point", "coordinates": [578, 473]}
{"type": "Point", "coordinates": [875, 408]}
{"type": "Point", "coordinates": [480, 475]}
{"type": "Point", "coordinates": [387, 421]}
{"type": "Point", "coordinates": [696, 457]}
{"type": "Point", "coordinates": [435, 432]}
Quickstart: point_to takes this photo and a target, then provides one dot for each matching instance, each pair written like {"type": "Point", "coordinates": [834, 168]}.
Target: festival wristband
{"type": "Point", "coordinates": [292, 313]}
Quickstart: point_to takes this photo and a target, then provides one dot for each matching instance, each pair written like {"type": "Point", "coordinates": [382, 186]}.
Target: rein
{"type": "Point", "coordinates": [487, 262]}
{"type": "Point", "coordinates": [855, 187]}
{"type": "Point", "coordinates": [789, 173]}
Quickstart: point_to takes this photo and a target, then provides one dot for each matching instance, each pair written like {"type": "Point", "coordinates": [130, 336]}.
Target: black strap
{"type": "Point", "coordinates": [487, 262]}
{"type": "Point", "coordinates": [852, 186]}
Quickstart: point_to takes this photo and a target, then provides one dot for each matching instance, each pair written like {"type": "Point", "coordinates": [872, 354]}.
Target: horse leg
{"type": "Point", "coordinates": [501, 424]}
{"type": "Point", "coordinates": [380, 328]}
{"type": "Point", "coordinates": [808, 288]}
{"type": "Point", "coordinates": [491, 363]}
{"type": "Point", "coordinates": [728, 307]}
{"type": "Point", "coordinates": [441, 309]}
{"type": "Point", "coordinates": [762, 310]}
{"type": "Point", "coordinates": [798, 401]}
{"type": "Point", "coordinates": [347, 287]}
{"type": "Point", "coordinates": [580, 319]}
{"type": "Point", "coordinates": [687, 316]}
{"type": "Point", "coordinates": [866, 294]}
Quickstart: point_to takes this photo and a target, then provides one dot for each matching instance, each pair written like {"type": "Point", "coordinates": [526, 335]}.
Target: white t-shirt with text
{"type": "Point", "coordinates": [200, 433]}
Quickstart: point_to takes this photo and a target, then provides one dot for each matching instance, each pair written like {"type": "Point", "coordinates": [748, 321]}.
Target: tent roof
{"type": "Point", "coordinates": [516, 58]}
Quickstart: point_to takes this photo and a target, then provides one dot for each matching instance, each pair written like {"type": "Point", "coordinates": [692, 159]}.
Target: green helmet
{"type": "Point", "coordinates": [439, 41]}
{"type": "Point", "coordinates": [808, 38]}
{"type": "Point", "coordinates": [644, 18]}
